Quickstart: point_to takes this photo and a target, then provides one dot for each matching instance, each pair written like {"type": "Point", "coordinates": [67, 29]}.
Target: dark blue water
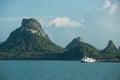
{"type": "Point", "coordinates": [58, 70]}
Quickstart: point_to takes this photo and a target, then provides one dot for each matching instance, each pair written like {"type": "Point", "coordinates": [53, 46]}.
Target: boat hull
{"type": "Point", "coordinates": [88, 60]}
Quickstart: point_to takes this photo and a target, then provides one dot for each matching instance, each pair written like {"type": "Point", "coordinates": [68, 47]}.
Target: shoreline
{"type": "Point", "coordinates": [50, 60]}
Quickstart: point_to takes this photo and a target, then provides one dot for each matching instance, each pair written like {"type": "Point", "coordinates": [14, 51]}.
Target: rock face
{"type": "Point", "coordinates": [29, 37]}
{"type": "Point", "coordinates": [74, 43]}
{"type": "Point", "coordinates": [111, 48]}
{"type": "Point", "coordinates": [33, 26]}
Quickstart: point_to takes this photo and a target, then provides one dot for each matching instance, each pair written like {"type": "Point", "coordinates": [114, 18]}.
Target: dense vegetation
{"type": "Point", "coordinates": [30, 42]}
{"type": "Point", "coordinates": [27, 42]}
{"type": "Point", "coordinates": [110, 52]}
{"type": "Point", "coordinates": [82, 50]}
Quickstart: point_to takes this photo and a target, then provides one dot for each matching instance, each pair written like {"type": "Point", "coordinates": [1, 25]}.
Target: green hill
{"type": "Point", "coordinates": [110, 52]}
{"type": "Point", "coordinates": [78, 49]}
{"type": "Point", "coordinates": [28, 40]}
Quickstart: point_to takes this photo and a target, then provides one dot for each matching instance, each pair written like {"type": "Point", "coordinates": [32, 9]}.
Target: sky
{"type": "Point", "coordinates": [96, 21]}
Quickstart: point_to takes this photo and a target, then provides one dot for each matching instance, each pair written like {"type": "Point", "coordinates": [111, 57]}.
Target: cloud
{"type": "Point", "coordinates": [48, 21]}
{"type": "Point", "coordinates": [65, 22]}
{"type": "Point", "coordinates": [107, 4]}
{"type": "Point", "coordinates": [111, 7]}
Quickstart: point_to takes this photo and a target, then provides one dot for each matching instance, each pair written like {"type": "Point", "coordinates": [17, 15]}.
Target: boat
{"type": "Point", "coordinates": [88, 60]}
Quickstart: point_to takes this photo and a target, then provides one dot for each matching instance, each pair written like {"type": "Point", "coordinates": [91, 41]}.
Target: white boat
{"type": "Point", "coordinates": [87, 59]}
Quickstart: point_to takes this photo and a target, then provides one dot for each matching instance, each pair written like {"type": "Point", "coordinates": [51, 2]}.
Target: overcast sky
{"type": "Point", "coordinates": [96, 21]}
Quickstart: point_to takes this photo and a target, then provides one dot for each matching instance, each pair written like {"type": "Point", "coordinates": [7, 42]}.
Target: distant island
{"type": "Point", "coordinates": [30, 42]}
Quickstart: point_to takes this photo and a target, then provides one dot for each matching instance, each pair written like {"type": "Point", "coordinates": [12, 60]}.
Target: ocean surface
{"type": "Point", "coordinates": [58, 70]}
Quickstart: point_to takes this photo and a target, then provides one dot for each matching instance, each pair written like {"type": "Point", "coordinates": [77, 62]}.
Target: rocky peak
{"type": "Point", "coordinates": [78, 39]}
{"type": "Point", "coordinates": [29, 37]}
{"type": "Point", "coordinates": [33, 26]}
{"type": "Point", "coordinates": [111, 44]}
{"type": "Point", "coordinates": [74, 43]}
{"type": "Point", "coordinates": [111, 48]}
{"type": "Point", "coordinates": [30, 21]}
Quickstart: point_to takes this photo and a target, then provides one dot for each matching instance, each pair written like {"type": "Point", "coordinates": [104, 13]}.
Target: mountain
{"type": "Point", "coordinates": [110, 52]}
{"type": "Point", "coordinates": [110, 48]}
{"type": "Point", "coordinates": [29, 41]}
{"type": "Point", "coordinates": [29, 37]}
{"type": "Point", "coordinates": [74, 43]}
{"type": "Point", "coordinates": [78, 49]}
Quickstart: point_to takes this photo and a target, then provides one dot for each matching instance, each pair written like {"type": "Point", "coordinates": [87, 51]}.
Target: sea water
{"type": "Point", "coordinates": [58, 70]}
